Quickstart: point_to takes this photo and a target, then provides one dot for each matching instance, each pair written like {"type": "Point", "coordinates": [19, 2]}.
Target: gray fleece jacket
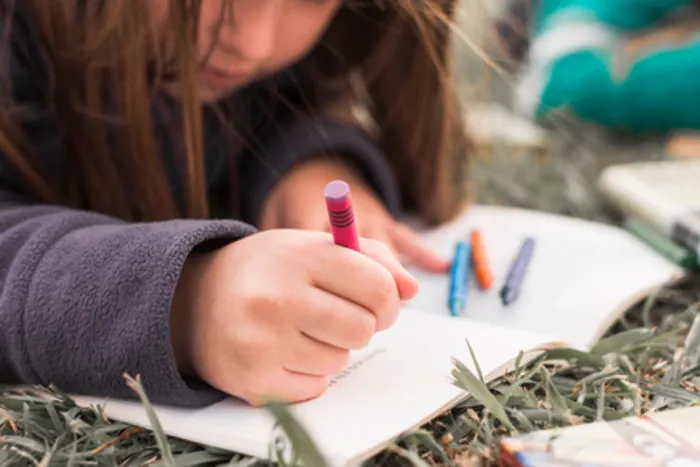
{"type": "Point", "coordinates": [85, 298]}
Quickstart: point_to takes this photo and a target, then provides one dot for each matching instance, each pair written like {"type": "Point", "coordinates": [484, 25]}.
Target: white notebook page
{"type": "Point", "coordinates": [581, 275]}
{"type": "Point", "coordinates": [401, 380]}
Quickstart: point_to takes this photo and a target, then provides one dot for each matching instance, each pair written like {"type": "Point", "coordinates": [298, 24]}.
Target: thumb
{"type": "Point", "coordinates": [307, 220]}
{"type": "Point", "coordinates": [379, 251]}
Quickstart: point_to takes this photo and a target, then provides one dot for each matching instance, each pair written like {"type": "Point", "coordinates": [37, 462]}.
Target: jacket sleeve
{"type": "Point", "coordinates": [85, 298]}
{"type": "Point", "coordinates": [579, 61]}
{"type": "Point", "coordinates": [291, 135]}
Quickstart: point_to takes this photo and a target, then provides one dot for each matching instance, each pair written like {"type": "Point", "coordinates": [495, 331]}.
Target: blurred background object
{"type": "Point", "coordinates": [553, 164]}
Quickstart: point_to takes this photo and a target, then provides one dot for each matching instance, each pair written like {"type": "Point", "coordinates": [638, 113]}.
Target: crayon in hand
{"type": "Point", "coordinates": [341, 216]}
{"type": "Point", "coordinates": [480, 260]}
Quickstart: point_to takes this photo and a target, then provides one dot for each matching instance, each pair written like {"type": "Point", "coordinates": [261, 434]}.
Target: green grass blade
{"type": "Point", "coordinates": [692, 343]}
{"type": "Point", "coordinates": [618, 342]}
{"type": "Point", "coordinates": [466, 379]}
{"type": "Point", "coordinates": [302, 445]}
{"type": "Point", "coordinates": [475, 361]}
{"type": "Point", "coordinates": [161, 438]}
{"type": "Point", "coordinates": [194, 459]}
{"type": "Point", "coordinates": [26, 443]}
{"type": "Point", "coordinates": [576, 357]}
{"type": "Point", "coordinates": [242, 462]}
{"type": "Point", "coordinates": [46, 460]}
{"type": "Point", "coordinates": [58, 425]}
{"type": "Point", "coordinates": [26, 420]}
{"type": "Point", "coordinates": [518, 362]}
{"type": "Point", "coordinates": [552, 396]}
{"type": "Point", "coordinates": [648, 307]}
{"type": "Point", "coordinates": [422, 438]}
{"type": "Point", "coordinates": [600, 409]}
{"type": "Point", "coordinates": [547, 416]}
{"type": "Point", "coordinates": [413, 458]}
{"type": "Point", "coordinates": [461, 427]}
{"type": "Point", "coordinates": [526, 425]}
{"type": "Point", "coordinates": [676, 394]}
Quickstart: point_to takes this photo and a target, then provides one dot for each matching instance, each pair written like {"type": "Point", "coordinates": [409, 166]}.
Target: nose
{"type": "Point", "coordinates": [252, 32]}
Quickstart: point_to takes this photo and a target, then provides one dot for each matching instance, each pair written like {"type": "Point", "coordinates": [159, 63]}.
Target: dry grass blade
{"type": "Point", "coordinates": [161, 438]}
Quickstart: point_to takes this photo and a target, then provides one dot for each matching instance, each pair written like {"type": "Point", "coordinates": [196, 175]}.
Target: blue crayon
{"type": "Point", "coordinates": [459, 278]}
{"type": "Point", "coordinates": [516, 275]}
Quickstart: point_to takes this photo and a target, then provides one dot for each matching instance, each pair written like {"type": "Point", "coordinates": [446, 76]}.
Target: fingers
{"type": "Point", "coordinates": [406, 284]}
{"type": "Point", "coordinates": [305, 369]}
{"type": "Point", "coordinates": [337, 322]}
{"type": "Point", "coordinates": [382, 236]}
{"type": "Point", "coordinates": [313, 219]}
{"type": "Point", "coordinates": [373, 279]}
{"type": "Point", "coordinates": [408, 243]}
{"type": "Point", "coordinates": [290, 387]}
{"type": "Point", "coordinates": [311, 357]}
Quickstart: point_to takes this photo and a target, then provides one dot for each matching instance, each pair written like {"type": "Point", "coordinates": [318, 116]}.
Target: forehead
{"type": "Point", "coordinates": [232, 8]}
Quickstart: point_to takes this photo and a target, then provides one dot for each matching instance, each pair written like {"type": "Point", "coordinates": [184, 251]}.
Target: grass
{"type": "Point", "coordinates": [649, 361]}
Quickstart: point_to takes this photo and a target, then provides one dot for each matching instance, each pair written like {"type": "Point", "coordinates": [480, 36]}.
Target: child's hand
{"type": "Point", "coordinates": [276, 313]}
{"type": "Point", "coordinates": [298, 203]}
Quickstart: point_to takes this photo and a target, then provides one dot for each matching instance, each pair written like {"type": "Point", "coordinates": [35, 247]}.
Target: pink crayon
{"type": "Point", "coordinates": [341, 215]}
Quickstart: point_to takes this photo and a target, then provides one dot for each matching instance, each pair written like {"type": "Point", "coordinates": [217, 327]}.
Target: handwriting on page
{"type": "Point", "coordinates": [354, 366]}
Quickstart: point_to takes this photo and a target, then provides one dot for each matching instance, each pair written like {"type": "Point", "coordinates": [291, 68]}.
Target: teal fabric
{"type": "Point", "coordinates": [660, 91]}
{"type": "Point", "coordinates": [624, 14]}
{"type": "Point", "coordinates": [570, 87]}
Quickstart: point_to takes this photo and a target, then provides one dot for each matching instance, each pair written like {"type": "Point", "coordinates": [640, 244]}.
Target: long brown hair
{"type": "Point", "coordinates": [105, 61]}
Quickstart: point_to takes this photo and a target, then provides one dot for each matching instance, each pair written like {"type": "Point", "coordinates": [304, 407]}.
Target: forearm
{"type": "Point", "coordinates": [86, 298]}
{"type": "Point", "coordinates": [301, 140]}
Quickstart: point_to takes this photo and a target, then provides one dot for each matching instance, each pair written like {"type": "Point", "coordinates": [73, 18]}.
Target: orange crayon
{"type": "Point", "coordinates": [480, 260]}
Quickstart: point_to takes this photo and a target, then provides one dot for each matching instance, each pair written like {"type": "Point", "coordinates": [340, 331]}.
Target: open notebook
{"type": "Point", "coordinates": [581, 278]}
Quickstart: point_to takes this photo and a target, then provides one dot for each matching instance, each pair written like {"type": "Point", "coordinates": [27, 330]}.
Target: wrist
{"type": "Point", "coordinates": [305, 179]}
{"type": "Point", "coordinates": [183, 311]}
{"type": "Point", "coordinates": [320, 170]}
{"type": "Point", "coordinates": [328, 167]}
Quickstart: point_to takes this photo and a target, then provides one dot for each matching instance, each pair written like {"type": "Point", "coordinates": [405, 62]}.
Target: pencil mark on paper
{"type": "Point", "coordinates": [354, 366]}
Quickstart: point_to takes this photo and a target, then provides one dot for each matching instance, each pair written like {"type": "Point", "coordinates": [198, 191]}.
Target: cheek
{"type": "Point", "coordinates": [297, 37]}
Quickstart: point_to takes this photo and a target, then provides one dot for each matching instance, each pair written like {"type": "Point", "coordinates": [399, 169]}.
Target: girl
{"type": "Point", "coordinates": [162, 174]}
